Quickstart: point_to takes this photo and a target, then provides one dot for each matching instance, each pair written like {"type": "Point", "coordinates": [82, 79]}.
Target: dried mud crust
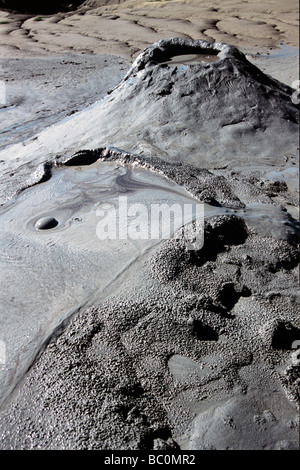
{"type": "Point", "coordinates": [213, 331]}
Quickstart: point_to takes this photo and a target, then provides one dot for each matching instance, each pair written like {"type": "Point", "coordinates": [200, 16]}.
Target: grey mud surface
{"type": "Point", "coordinates": [191, 349]}
{"type": "Point", "coordinates": [44, 90]}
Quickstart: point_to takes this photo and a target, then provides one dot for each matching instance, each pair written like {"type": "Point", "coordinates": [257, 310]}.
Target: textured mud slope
{"type": "Point", "coordinates": [194, 349]}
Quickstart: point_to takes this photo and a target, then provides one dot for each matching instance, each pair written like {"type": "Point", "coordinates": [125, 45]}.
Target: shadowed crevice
{"type": "Point", "coordinates": [229, 296]}
{"type": "Point", "coordinates": [204, 332]}
{"type": "Point", "coordinates": [32, 6]}
{"type": "Point", "coordinates": [284, 335]}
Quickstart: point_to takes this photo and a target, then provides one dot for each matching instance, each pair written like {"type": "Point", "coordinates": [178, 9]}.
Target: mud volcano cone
{"type": "Point", "coordinates": [204, 103]}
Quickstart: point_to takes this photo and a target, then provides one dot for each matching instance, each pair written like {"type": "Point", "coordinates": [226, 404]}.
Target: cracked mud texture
{"type": "Point", "coordinates": [194, 349]}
